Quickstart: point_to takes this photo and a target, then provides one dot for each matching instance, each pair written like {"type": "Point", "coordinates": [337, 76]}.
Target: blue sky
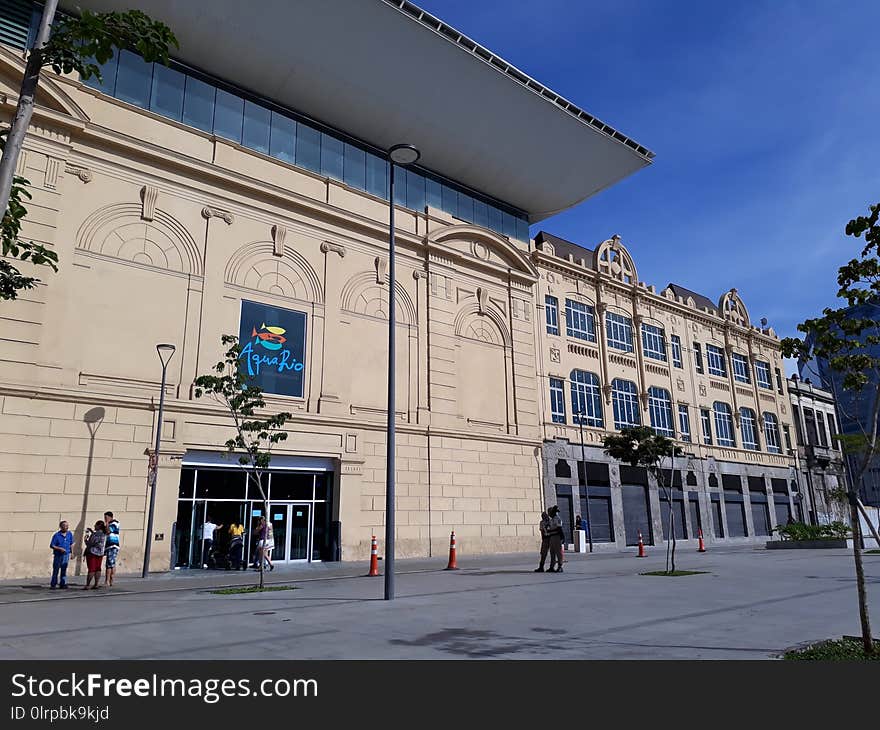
{"type": "Point", "coordinates": [765, 121]}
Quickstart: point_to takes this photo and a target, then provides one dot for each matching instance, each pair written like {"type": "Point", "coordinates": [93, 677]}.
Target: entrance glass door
{"type": "Point", "coordinates": [280, 522]}
{"type": "Point", "coordinates": [299, 531]}
{"type": "Point", "coordinates": [291, 527]}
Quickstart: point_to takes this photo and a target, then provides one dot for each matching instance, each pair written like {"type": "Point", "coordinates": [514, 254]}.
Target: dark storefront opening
{"type": "Point", "coordinates": [599, 513]}
{"type": "Point", "coordinates": [564, 502]}
{"type": "Point", "coordinates": [734, 508]}
{"type": "Point", "coordinates": [760, 507]}
{"type": "Point", "coordinates": [717, 523]}
{"type": "Point", "coordinates": [781, 506]}
{"type": "Point", "coordinates": [299, 508]}
{"type": "Point", "coordinates": [696, 518]}
{"type": "Point", "coordinates": [678, 512]}
{"type": "Point", "coordinates": [636, 507]}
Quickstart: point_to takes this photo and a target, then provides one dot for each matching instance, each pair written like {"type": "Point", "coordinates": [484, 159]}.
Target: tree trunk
{"type": "Point", "coordinates": [25, 109]}
{"type": "Point", "coordinates": [867, 640]}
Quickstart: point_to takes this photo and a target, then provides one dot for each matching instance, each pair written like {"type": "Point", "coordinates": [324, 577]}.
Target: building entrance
{"type": "Point", "coordinates": [219, 512]}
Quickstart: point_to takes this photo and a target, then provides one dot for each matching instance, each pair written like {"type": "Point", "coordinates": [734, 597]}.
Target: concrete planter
{"type": "Point", "coordinates": [804, 544]}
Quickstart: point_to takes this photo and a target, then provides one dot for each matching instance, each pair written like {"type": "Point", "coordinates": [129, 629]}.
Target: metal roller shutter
{"type": "Point", "coordinates": [636, 513]}
{"type": "Point", "coordinates": [678, 510]}
{"type": "Point", "coordinates": [696, 518]}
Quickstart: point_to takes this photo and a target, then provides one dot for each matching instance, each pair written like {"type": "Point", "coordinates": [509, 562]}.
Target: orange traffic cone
{"type": "Point", "coordinates": [452, 564]}
{"type": "Point", "coordinates": [374, 558]}
{"type": "Point", "coordinates": [641, 547]}
{"type": "Point", "coordinates": [701, 548]}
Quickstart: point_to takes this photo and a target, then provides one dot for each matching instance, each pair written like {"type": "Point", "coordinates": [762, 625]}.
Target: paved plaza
{"type": "Point", "coordinates": [752, 604]}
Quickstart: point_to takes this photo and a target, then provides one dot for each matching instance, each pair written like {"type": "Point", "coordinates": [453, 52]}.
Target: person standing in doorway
{"type": "Point", "coordinates": [111, 548]}
{"type": "Point", "coordinates": [544, 528]}
{"type": "Point", "coordinates": [208, 529]}
{"type": "Point", "coordinates": [61, 543]}
{"type": "Point", "coordinates": [555, 532]}
{"type": "Point", "coordinates": [95, 541]}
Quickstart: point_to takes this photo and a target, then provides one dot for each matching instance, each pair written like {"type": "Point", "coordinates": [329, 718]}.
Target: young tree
{"type": "Point", "coordinates": [849, 345]}
{"type": "Point", "coordinates": [78, 44]}
{"type": "Point", "coordinates": [254, 436]}
{"type": "Point", "coordinates": [642, 446]}
{"type": "Point", "coordinates": [11, 279]}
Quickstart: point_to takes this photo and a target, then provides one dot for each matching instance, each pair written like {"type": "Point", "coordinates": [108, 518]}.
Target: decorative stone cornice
{"type": "Point", "coordinates": [327, 247]}
{"type": "Point", "coordinates": [420, 274]}
{"type": "Point", "coordinates": [83, 173]}
{"type": "Point", "coordinates": [209, 212]}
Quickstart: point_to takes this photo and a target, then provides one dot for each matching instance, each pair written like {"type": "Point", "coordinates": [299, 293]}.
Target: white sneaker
{"type": "Point", "coordinates": [205, 565]}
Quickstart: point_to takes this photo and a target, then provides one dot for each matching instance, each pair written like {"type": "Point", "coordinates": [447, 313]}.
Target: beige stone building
{"type": "Point", "coordinates": [185, 204]}
{"type": "Point", "coordinates": [615, 352]}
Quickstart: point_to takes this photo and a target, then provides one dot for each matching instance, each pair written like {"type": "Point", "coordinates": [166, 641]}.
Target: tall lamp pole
{"type": "Point", "coordinates": [166, 352]}
{"type": "Point", "coordinates": [399, 154]}
{"type": "Point", "coordinates": [586, 483]}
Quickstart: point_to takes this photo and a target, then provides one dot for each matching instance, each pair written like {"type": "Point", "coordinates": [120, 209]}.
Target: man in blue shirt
{"type": "Point", "coordinates": [61, 543]}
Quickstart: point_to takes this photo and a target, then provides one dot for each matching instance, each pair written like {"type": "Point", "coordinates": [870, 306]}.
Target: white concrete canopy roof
{"type": "Point", "coordinates": [386, 72]}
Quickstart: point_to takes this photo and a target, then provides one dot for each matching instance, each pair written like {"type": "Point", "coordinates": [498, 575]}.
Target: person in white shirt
{"type": "Point", "coordinates": [208, 529]}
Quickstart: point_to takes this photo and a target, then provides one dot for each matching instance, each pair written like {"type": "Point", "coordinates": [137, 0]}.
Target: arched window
{"type": "Point", "coordinates": [586, 400]}
{"type": "Point", "coordinates": [771, 433]}
{"type": "Point", "coordinates": [748, 426]}
{"type": "Point", "coordinates": [723, 424]}
{"type": "Point", "coordinates": [660, 408]}
{"type": "Point", "coordinates": [625, 399]}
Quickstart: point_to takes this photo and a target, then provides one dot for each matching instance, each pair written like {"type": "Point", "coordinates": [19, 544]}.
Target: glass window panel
{"type": "Point", "coordinates": [522, 229]}
{"type": "Point", "coordinates": [762, 374]}
{"type": "Point", "coordinates": [107, 84]}
{"type": "Point", "coordinates": [198, 104]}
{"type": "Point", "coordinates": [286, 485]}
{"type": "Point", "coordinates": [257, 123]}
{"type": "Point", "coordinates": [551, 310]}
{"type": "Point", "coordinates": [134, 79]}
{"type": "Point", "coordinates": [586, 399]}
{"type": "Point", "coordinates": [625, 402]}
{"type": "Point", "coordinates": [466, 207]}
{"type": "Point", "coordinates": [449, 200]}
{"type": "Point", "coordinates": [187, 478]}
{"type": "Point", "coordinates": [377, 176]}
{"type": "Point", "coordinates": [308, 148]}
{"type": "Point", "coordinates": [557, 400]}
{"type": "Point", "coordinates": [580, 321]}
{"type": "Point", "coordinates": [741, 369]}
{"type": "Point", "coordinates": [508, 224]}
{"type": "Point", "coordinates": [415, 191]}
{"type": "Point", "coordinates": [481, 213]}
{"type": "Point", "coordinates": [684, 422]}
{"type": "Point", "coordinates": [167, 94]}
{"type": "Point", "coordinates": [400, 175]}
{"type": "Point", "coordinates": [220, 484]}
{"type": "Point", "coordinates": [495, 219]}
{"type": "Point", "coordinates": [355, 167]}
{"type": "Point", "coordinates": [434, 193]}
{"type": "Point", "coordinates": [660, 410]}
{"type": "Point", "coordinates": [653, 342]}
{"type": "Point", "coordinates": [618, 329]}
{"type": "Point", "coordinates": [321, 483]}
{"type": "Point", "coordinates": [282, 139]}
{"type": "Point", "coordinates": [675, 342]}
{"type": "Point", "coordinates": [332, 151]}
{"type": "Point", "coordinates": [228, 115]}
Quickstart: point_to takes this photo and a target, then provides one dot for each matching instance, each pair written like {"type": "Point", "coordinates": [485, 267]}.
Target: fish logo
{"type": "Point", "coordinates": [272, 338]}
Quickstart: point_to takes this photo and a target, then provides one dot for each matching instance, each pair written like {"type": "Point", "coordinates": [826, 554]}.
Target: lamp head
{"type": "Point", "coordinates": [404, 154]}
{"type": "Point", "coordinates": [166, 352]}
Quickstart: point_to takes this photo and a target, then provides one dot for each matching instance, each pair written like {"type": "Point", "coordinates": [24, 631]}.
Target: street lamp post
{"type": "Point", "coordinates": [166, 352]}
{"type": "Point", "coordinates": [586, 483]}
{"type": "Point", "coordinates": [399, 154]}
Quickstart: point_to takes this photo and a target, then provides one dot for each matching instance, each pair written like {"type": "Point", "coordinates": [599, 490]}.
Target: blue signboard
{"type": "Point", "coordinates": [273, 347]}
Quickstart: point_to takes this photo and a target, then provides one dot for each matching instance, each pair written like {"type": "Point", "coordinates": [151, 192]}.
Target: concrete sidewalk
{"type": "Point", "coordinates": [748, 604]}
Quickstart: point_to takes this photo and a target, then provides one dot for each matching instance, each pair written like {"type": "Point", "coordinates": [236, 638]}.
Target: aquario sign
{"type": "Point", "coordinates": [273, 347]}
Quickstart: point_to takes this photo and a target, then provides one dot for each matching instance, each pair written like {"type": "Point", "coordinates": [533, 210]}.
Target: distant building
{"type": "Point", "coordinates": [616, 352]}
{"type": "Point", "coordinates": [820, 461]}
{"type": "Point", "coordinates": [853, 408]}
